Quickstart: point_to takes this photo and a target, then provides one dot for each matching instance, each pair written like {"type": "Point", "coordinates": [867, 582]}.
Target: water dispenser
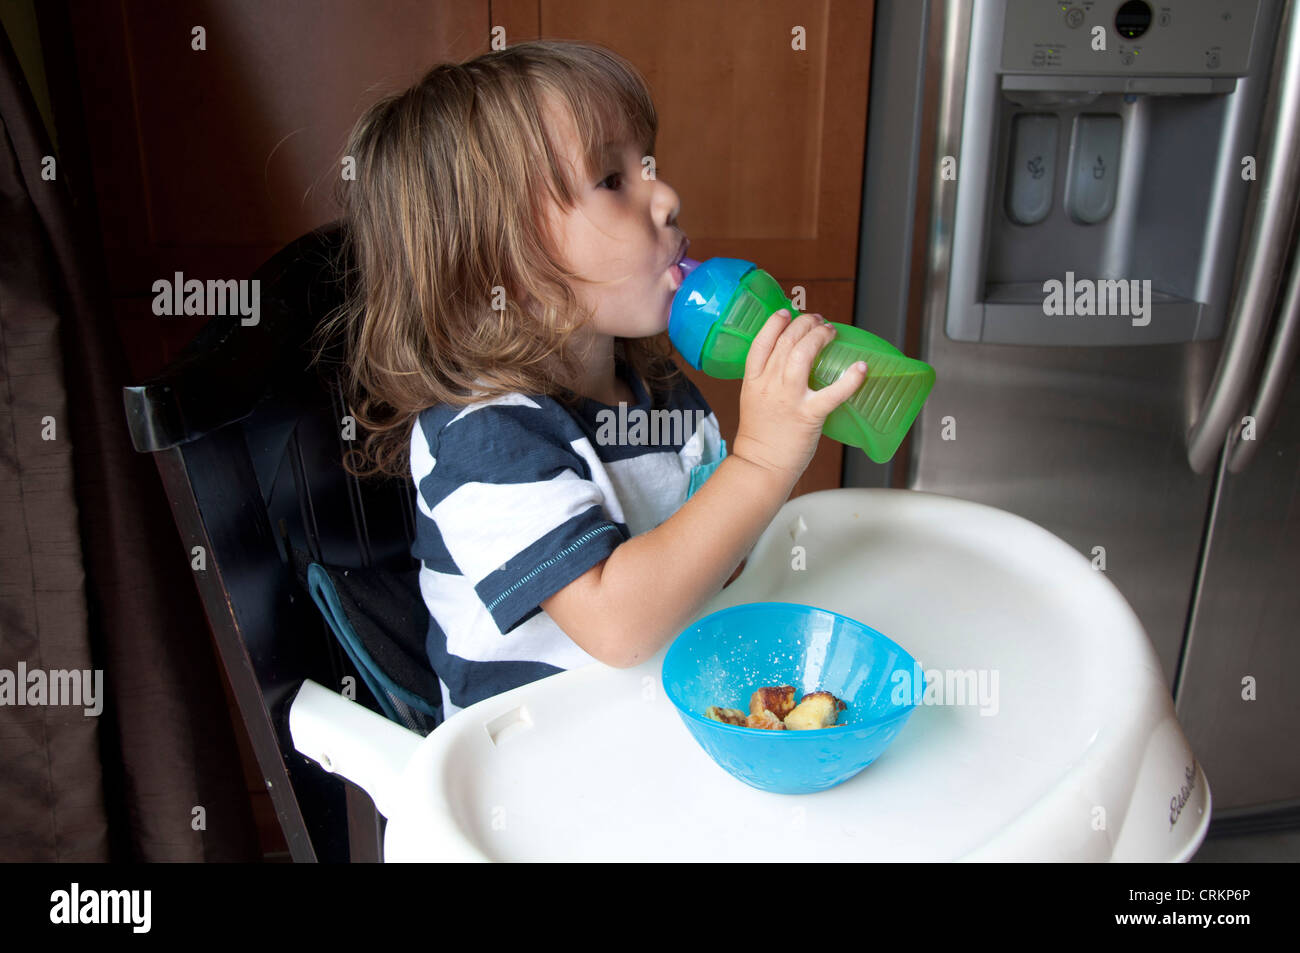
{"type": "Point", "coordinates": [1105, 168]}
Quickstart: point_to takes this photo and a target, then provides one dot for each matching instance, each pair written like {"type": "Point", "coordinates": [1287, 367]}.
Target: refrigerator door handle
{"type": "Point", "coordinates": [1277, 371]}
{"type": "Point", "coordinates": [1265, 257]}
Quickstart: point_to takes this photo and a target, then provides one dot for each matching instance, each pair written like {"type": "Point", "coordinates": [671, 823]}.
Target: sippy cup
{"type": "Point", "coordinates": [723, 303]}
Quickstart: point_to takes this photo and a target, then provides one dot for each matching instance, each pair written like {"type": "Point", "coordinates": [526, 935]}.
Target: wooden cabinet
{"type": "Point", "coordinates": [208, 161]}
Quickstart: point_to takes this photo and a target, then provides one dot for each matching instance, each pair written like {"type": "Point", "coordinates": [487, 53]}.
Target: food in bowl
{"type": "Point", "coordinates": [816, 710]}
{"type": "Point", "coordinates": [778, 699]}
{"type": "Point", "coordinates": [721, 658]}
{"type": "Point", "coordinates": [731, 716]}
{"type": "Point", "coordinates": [766, 720]}
{"type": "Point", "coordinates": [772, 708]}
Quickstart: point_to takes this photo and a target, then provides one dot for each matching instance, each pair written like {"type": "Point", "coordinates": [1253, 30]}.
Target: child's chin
{"type": "Point", "coordinates": [648, 328]}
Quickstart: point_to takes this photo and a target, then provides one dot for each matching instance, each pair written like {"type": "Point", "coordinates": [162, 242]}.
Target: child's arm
{"type": "Point", "coordinates": [734, 574]}
{"type": "Point", "coordinates": [624, 609]}
{"type": "Point", "coordinates": [627, 607]}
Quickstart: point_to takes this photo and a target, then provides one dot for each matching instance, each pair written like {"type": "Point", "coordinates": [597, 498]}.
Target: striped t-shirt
{"type": "Point", "coordinates": [519, 496]}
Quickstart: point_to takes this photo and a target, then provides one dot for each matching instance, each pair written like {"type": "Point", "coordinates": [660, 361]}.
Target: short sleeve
{"type": "Point", "coordinates": [514, 504]}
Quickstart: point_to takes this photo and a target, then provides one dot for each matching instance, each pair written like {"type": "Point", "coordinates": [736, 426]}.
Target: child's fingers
{"type": "Point", "coordinates": [761, 347]}
{"type": "Point", "coordinates": [813, 338]}
{"type": "Point", "coordinates": [832, 395]}
{"type": "Point", "coordinates": [783, 352]}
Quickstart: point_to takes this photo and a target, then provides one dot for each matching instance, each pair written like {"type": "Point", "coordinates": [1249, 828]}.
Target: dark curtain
{"type": "Point", "coordinates": [93, 574]}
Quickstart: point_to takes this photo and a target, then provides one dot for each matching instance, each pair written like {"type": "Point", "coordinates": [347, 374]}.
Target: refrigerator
{"type": "Point", "coordinates": [1097, 203]}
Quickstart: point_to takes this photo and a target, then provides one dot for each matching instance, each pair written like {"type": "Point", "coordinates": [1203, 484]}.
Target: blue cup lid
{"type": "Point", "coordinates": [706, 289]}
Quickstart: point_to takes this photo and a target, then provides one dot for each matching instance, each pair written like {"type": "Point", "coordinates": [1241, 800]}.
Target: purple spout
{"type": "Point", "coordinates": [687, 265]}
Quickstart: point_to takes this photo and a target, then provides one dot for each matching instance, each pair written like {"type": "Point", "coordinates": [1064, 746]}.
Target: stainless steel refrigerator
{"type": "Point", "coordinates": [1097, 210]}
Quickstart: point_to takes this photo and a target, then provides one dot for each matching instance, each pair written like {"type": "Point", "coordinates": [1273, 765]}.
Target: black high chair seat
{"type": "Point", "coordinates": [247, 437]}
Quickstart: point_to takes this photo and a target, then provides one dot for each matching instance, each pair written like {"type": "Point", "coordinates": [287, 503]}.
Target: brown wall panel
{"type": "Point", "coordinates": [207, 162]}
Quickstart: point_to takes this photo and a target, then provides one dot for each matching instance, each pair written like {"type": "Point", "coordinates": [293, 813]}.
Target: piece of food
{"type": "Point", "coordinates": [731, 716]}
{"type": "Point", "coordinates": [816, 710]}
{"type": "Point", "coordinates": [772, 708]}
{"type": "Point", "coordinates": [778, 699]}
{"type": "Point", "coordinates": [766, 720]}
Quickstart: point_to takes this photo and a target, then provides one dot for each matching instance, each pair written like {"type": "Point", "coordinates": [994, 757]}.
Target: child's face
{"type": "Point", "coordinates": [622, 232]}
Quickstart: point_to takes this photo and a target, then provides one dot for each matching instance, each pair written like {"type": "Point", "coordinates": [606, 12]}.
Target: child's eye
{"type": "Point", "coordinates": [612, 175]}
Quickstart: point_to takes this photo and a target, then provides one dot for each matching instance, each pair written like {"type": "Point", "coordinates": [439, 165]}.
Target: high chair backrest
{"type": "Point", "coordinates": [248, 440]}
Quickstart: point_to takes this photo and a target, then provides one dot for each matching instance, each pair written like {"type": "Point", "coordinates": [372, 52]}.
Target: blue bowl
{"type": "Point", "coordinates": [722, 658]}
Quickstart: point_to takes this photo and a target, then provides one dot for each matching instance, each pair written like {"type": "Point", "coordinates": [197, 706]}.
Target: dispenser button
{"type": "Point", "coordinates": [1033, 168]}
{"type": "Point", "coordinates": [1094, 168]}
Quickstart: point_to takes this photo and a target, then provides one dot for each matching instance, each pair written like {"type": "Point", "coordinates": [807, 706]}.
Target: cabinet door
{"type": "Point", "coordinates": [762, 125]}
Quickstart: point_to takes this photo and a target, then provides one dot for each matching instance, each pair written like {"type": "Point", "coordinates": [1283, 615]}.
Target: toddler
{"type": "Point", "coordinates": [514, 275]}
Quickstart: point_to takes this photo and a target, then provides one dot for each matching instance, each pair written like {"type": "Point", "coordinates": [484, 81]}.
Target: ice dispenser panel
{"type": "Point", "coordinates": [1110, 179]}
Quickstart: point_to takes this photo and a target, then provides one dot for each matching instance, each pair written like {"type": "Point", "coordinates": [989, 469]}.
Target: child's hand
{"type": "Point", "coordinates": [781, 417]}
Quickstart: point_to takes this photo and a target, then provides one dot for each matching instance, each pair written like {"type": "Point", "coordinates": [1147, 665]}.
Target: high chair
{"type": "Point", "coordinates": [1076, 754]}
{"type": "Point", "coordinates": [247, 439]}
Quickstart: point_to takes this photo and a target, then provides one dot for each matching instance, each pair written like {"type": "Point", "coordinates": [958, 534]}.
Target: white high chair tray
{"type": "Point", "coordinates": [1082, 758]}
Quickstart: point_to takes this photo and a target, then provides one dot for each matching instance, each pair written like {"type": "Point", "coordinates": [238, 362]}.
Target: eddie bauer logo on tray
{"type": "Point", "coordinates": [1184, 794]}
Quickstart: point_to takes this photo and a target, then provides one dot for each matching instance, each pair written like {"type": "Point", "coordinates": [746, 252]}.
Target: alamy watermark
{"type": "Point", "coordinates": [180, 297]}
{"type": "Point", "coordinates": [1106, 296]}
{"type": "Point", "coordinates": [56, 687]}
{"type": "Point", "coordinates": [641, 428]}
{"type": "Point", "coordinates": [947, 687]}
{"type": "Point", "coordinates": [78, 906]}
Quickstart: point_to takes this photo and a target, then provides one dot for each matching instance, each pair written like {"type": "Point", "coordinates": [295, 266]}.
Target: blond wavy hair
{"type": "Point", "coordinates": [448, 210]}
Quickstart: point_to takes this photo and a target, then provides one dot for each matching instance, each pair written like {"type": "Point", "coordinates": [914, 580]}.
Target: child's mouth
{"type": "Point", "coordinates": [675, 273]}
{"type": "Point", "coordinates": [677, 276]}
